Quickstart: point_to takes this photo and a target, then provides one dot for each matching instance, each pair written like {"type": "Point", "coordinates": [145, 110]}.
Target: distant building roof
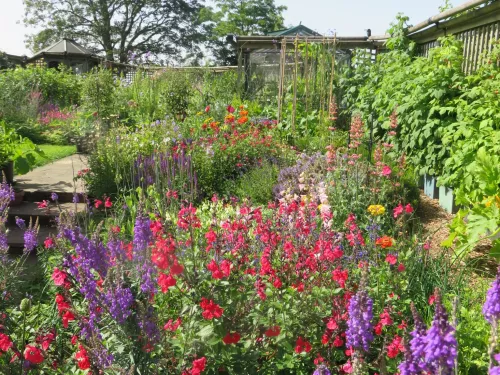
{"type": "Point", "coordinates": [299, 29]}
{"type": "Point", "coordinates": [65, 47]}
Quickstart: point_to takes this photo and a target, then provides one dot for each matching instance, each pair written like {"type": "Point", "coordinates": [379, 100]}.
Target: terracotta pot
{"type": "Point", "coordinates": [7, 170]}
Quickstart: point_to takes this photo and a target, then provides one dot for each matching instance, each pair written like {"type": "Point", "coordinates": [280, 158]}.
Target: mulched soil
{"type": "Point", "coordinates": [435, 221]}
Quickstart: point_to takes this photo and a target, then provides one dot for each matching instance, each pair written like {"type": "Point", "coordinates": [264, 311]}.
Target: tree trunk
{"type": "Point", "coordinates": [106, 29]}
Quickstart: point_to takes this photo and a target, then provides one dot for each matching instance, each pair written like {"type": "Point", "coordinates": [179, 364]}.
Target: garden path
{"type": "Point", "coordinates": [54, 177]}
{"type": "Point", "coordinates": [38, 185]}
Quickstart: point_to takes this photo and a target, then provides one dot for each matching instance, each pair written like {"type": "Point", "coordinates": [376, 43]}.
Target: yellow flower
{"type": "Point", "coordinates": [376, 209]}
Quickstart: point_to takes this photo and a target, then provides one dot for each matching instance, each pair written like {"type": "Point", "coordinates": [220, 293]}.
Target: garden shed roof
{"type": "Point", "coordinates": [295, 30]}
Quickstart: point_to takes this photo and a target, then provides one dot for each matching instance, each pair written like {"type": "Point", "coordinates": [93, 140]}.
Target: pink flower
{"type": "Point", "coordinates": [97, 203]}
{"type": "Point", "coordinates": [108, 203]}
{"type": "Point", "coordinates": [49, 243]}
{"type": "Point", "coordinates": [427, 246]}
{"type": "Point", "coordinates": [386, 171]}
{"type": "Point", "coordinates": [391, 259]}
{"type": "Point", "coordinates": [43, 204]}
{"type": "Point", "coordinates": [230, 108]}
{"type": "Point", "coordinates": [398, 211]}
{"type": "Point", "coordinates": [59, 277]}
{"type": "Point", "coordinates": [207, 109]}
{"type": "Point", "coordinates": [408, 209]}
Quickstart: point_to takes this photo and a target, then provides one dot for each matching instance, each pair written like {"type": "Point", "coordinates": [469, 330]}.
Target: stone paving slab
{"type": "Point", "coordinates": [54, 177]}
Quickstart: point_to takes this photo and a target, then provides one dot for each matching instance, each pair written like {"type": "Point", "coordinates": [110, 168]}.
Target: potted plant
{"type": "Point", "coordinates": [16, 153]}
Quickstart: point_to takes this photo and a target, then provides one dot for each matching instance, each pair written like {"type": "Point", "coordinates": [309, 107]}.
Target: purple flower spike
{"type": "Point", "coordinates": [491, 308]}
{"type": "Point", "coordinates": [322, 370]}
{"type": "Point", "coordinates": [414, 363]}
{"type": "Point", "coordinates": [441, 344]}
{"type": "Point", "coordinates": [20, 223]}
{"type": "Point", "coordinates": [360, 331]}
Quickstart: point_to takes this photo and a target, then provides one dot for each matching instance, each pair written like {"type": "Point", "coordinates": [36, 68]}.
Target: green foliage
{"type": "Point", "coordinates": [257, 184]}
{"type": "Point", "coordinates": [247, 17]}
{"type": "Point", "coordinates": [24, 91]}
{"type": "Point", "coordinates": [98, 92]}
{"type": "Point", "coordinates": [15, 148]}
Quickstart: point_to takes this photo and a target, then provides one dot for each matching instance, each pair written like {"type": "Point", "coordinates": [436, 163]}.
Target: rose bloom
{"type": "Point", "coordinates": [384, 242]}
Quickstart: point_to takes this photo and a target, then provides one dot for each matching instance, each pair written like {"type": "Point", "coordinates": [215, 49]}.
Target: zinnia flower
{"type": "Point", "coordinates": [384, 242]}
{"type": "Point", "coordinates": [376, 209]}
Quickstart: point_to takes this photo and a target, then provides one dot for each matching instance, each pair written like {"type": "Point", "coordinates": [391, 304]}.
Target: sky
{"type": "Point", "coordinates": [346, 17]}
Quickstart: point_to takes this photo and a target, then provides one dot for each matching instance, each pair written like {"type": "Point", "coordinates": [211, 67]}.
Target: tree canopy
{"type": "Point", "coordinates": [118, 27]}
{"type": "Point", "coordinates": [241, 17]}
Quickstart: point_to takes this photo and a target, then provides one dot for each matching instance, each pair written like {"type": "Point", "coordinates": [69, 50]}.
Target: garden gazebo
{"type": "Point", "coordinates": [67, 52]}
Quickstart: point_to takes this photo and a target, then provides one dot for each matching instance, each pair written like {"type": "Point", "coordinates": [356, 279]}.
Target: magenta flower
{"type": "Point", "coordinates": [386, 171]}
{"type": "Point", "coordinates": [230, 108]}
{"type": "Point", "coordinates": [398, 211]}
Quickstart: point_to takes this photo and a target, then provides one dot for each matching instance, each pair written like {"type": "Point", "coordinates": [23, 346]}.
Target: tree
{"type": "Point", "coordinates": [241, 17]}
{"type": "Point", "coordinates": [118, 27]}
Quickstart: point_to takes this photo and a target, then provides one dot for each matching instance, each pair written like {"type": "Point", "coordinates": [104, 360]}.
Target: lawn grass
{"type": "Point", "coordinates": [52, 153]}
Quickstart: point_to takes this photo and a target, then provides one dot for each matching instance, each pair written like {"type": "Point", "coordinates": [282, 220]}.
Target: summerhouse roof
{"type": "Point", "coordinates": [64, 47]}
{"type": "Point", "coordinates": [295, 30]}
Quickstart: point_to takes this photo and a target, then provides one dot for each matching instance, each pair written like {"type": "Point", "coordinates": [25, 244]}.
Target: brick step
{"type": "Point", "coordinates": [27, 210]}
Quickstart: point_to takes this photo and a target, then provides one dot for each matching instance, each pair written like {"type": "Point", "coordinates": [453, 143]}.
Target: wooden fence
{"type": "Point", "coordinates": [476, 29]}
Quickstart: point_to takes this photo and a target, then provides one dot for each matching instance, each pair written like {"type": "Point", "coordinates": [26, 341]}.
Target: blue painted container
{"type": "Point", "coordinates": [430, 188]}
{"type": "Point", "coordinates": [447, 199]}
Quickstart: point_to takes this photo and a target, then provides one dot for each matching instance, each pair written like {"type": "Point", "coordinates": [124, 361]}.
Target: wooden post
{"type": "Point", "coordinates": [306, 79]}
{"type": "Point", "coordinates": [281, 77]}
{"type": "Point", "coordinates": [295, 71]}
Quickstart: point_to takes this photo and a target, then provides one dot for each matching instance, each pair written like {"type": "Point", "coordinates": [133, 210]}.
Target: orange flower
{"type": "Point", "coordinates": [384, 242]}
{"type": "Point", "coordinates": [242, 120]}
{"type": "Point", "coordinates": [243, 113]}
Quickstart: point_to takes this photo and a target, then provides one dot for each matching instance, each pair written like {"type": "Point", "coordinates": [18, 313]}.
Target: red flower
{"type": "Point", "coordinates": [74, 339]}
{"type": "Point", "coordinates": [408, 209]}
{"type": "Point", "coordinates": [5, 342]}
{"type": "Point", "coordinates": [172, 326]}
{"type": "Point", "coordinates": [391, 259]}
{"type": "Point", "coordinates": [273, 331]}
{"type": "Point", "coordinates": [165, 282]}
{"type": "Point", "coordinates": [97, 203]}
{"type": "Point", "coordinates": [432, 298]}
{"type": "Point", "coordinates": [49, 243]}
{"type": "Point", "coordinates": [378, 329]}
{"type": "Point", "coordinates": [59, 277]}
{"type": "Point", "coordinates": [43, 204]}
{"type": "Point", "coordinates": [384, 242]}
{"type": "Point", "coordinates": [198, 366]}
{"type": "Point", "coordinates": [231, 338]}
{"type": "Point", "coordinates": [338, 342]}
{"type": "Point", "coordinates": [340, 276]}
{"type": "Point", "coordinates": [302, 345]}
{"type": "Point", "coordinates": [210, 309]}
{"type": "Point", "coordinates": [108, 203]}
{"type": "Point", "coordinates": [33, 354]}
{"type": "Point", "coordinates": [230, 108]}
{"type": "Point", "coordinates": [385, 318]}
{"type": "Point", "coordinates": [398, 211]}
{"type": "Point", "coordinates": [82, 358]}
{"type": "Point", "coordinates": [207, 109]}
{"type": "Point", "coordinates": [67, 317]}
{"type": "Point", "coordinates": [401, 267]}
{"type": "Point", "coordinates": [332, 324]}
{"type": "Point", "coordinates": [395, 347]}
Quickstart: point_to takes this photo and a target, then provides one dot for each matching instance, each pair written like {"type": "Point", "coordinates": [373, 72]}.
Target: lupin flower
{"type": "Point", "coordinates": [360, 331]}
{"type": "Point", "coordinates": [414, 363]}
{"type": "Point", "coordinates": [491, 308]}
{"type": "Point", "coordinates": [440, 342]}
